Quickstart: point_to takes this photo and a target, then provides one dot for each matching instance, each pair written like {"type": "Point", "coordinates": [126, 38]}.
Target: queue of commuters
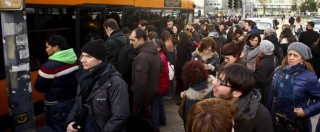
{"type": "Point", "coordinates": [227, 78]}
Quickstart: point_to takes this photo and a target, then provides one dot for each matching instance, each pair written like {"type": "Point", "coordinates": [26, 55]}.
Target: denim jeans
{"type": "Point", "coordinates": [57, 113]}
{"type": "Point", "coordinates": [159, 115]}
{"type": "Point", "coordinates": [171, 88]}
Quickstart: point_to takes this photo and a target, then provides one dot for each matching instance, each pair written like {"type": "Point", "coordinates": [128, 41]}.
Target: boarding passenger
{"type": "Point", "coordinates": [102, 101]}
{"type": "Point", "coordinates": [146, 70]}
{"type": "Point", "coordinates": [58, 81]}
{"type": "Point", "coordinates": [119, 52]}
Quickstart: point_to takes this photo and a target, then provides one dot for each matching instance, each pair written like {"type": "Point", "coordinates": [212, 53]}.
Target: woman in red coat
{"type": "Point", "coordinates": [159, 116]}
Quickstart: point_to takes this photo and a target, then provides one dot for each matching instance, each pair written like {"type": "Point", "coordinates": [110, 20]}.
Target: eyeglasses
{"type": "Point", "coordinates": [222, 83]}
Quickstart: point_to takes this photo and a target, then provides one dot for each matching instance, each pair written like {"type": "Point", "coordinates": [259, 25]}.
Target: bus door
{"type": "Point", "coordinates": [89, 24]}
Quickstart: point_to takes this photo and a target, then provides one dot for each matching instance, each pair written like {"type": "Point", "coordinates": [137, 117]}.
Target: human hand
{"type": "Point", "coordinates": [183, 94]}
{"type": "Point", "coordinates": [71, 129]}
{"type": "Point", "coordinates": [299, 112]}
{"type": "Point", "coordinates": [209, 67]}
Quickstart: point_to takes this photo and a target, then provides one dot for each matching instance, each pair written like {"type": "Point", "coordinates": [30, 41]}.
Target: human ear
{"type": "Point", "coordinates": [236, 94]}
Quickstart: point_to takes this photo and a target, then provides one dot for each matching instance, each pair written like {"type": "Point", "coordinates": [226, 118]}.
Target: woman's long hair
{"type": "Point", "coordinates": [259, 58]}
{"type": "Point", "coordinates": [307, 64]}
{"type": "Point", "coordinates": [287, 33]}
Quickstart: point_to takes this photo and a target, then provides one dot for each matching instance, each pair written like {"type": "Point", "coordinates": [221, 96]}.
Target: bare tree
{"type": "Point", "coordinates": [264, 5]}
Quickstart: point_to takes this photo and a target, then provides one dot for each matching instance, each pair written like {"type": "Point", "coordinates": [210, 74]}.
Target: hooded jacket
{"type": "Point", "coordinates": [145, 74]}
{"type": "Point", "coordinates": [57, 76]}
{"type": "Point", "coordinates": [196, 93]}
{"type": "Point", "coordinates": [252, 116]}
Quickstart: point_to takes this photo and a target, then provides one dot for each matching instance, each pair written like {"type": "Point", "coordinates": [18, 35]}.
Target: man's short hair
{"type": "Point", "coordinates": [152, 35]}
{"type": "Point", "coordinates": [211, 28]}
{"type": "Point", "coordinates": [211, 115]}
{"type": "Point", "coordinates": [170, 21]}
{"type": "Point", "coordinates": [143, 22]}
{"type": "Point", "coordinates": [311, 23]}
{"type": "Point", "coordinates": [58, 40]}
{"type": "Point", "coordinates": [140, 34]}
{"type": "Point", "coordinates": [239, 77]}
{"type": "Point", "coordinates": [250, 23]}
{"type": "Point", "coordinates": [111, 23]}
{"type": "Point", "coordinates": [229, 23]}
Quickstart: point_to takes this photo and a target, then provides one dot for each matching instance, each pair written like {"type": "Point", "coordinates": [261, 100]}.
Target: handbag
{"type": "Point", "coordinates": [284, 124]}
{"type": "Point", "coordinates": [181, 107]}
{"type": "Point", "coordinates": [171, 71]}
{"type": "Point", "coordinates": [281, 122]}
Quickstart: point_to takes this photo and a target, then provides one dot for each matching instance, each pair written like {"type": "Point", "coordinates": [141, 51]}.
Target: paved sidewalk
{"type": "Point", "coordinates": [174, 122]}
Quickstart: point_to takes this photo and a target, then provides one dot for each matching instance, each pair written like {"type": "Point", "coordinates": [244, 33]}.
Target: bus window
{"type": "Point", "coordinates": [91, 21]}
{"type": "Point", "coordinates": [167, 14]}
{"type": "Point", "coordinates": [155, 14]}
{"type": "Point", "coordinates": [144, 14]}
{"type": "Point", "coordinates": [131, 16]}
{"type": "Point", "coordinates": [43, 23]}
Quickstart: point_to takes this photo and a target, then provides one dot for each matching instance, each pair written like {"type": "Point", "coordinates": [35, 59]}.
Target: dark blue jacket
{"type": "Point", "coordinates": [306, 86]}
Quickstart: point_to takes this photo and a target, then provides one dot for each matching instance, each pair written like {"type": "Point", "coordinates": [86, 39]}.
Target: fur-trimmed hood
{"type": "Point", "coordinates": [193, 92]}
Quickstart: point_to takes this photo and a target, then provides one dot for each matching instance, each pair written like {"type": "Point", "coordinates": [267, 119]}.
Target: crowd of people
{"type": "Point", "coordinates": [227, 77]}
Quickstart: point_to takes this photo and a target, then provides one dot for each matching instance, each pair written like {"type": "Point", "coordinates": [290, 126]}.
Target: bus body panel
{"type": "Point", "coordinates": [53, 2]}
{"type": "Point", "coordinates": [36, 96]}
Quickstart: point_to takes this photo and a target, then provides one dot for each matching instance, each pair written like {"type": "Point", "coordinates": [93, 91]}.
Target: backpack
{"type": "Point", "coordinates": [124, 59]}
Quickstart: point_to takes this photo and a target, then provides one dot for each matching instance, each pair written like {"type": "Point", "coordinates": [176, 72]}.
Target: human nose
{"type": "Point", "coordinates": [82, 59]}
{"type": "Point", "coordinates": [290, 56]}
{"type": "Point", "coordinates": [215, 83]}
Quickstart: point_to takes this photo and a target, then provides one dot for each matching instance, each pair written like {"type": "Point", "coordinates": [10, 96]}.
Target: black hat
{"type": "Point", "coordinates": [96, 49]}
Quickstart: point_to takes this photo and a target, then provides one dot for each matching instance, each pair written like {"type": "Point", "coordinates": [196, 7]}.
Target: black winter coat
{"type": "Point", "coordinates": [146, 70]}
{"type": "Point", "coordinates": [309, 37]}
{"type": "Point", "coordinates": [251, 115]}
{"type": "Point", "coordinates": [113, 45]}
{"type": "Point", "coordinates": [263, 73]}
{"type": "Point", "coordinates": [110, 104]}
{"type": "Point", "coordinates": [260, 123]}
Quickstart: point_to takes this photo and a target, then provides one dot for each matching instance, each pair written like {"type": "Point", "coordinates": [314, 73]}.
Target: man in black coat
{"type": "Point", "coordinates": [115, 41]}
{"type": "Point", "coordinates": [102, 102]}
{"type": "Point", "coordinates": [310, 36]}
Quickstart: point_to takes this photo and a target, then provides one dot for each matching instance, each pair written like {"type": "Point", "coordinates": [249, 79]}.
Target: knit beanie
{"type": "Point", "coordinates": [302, 49]}
{"type": "Point", "coordinates": [266, 47]}
{"type": "Point", "coordinates": [269, 31]}
{"type": "Point", "coordinates": [96, 49]}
